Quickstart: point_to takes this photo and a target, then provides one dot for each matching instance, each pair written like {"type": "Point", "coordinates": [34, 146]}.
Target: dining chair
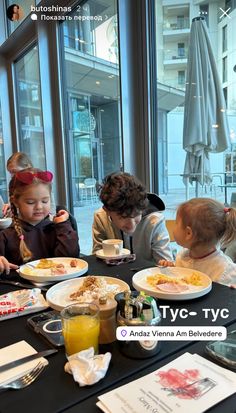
{"type": "Point", "coordinates": [90, 188]}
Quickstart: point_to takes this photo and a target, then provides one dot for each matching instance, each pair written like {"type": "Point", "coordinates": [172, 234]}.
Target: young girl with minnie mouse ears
{"type": "Point", "coordinates": [32, 234]}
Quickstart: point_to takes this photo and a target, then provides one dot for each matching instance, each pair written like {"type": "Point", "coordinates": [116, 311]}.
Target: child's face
{"type": "Point", "coordinates": [125, 224]}
{"type": "Point", "coordinates": [34, 203]}
{"type": "Point", "coordinates": [181, 234]}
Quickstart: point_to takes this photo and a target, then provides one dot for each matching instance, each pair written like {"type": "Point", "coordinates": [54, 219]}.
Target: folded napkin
{"type": "Point", "coordinates": [21, 302]}
{"type": "Point", "coordinates": [14, 352]}
{"type": "Point", "coordinates": [86, 367]}
{"type": "Point", "coordinates": [118, 261]}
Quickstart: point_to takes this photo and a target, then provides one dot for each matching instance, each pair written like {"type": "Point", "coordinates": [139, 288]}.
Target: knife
{"type": "Point", "coordinates": [23, 285]}
{"type": "Point", "coordinates": [23, 360]}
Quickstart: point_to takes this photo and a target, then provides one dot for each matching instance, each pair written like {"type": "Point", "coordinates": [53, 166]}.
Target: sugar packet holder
{"type": "Point", "coordinates": [21, 302]}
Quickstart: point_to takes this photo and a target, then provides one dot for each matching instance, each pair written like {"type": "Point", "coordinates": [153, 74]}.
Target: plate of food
{"type": "Point", "coordinates": [53, 269]}
{"type": "Point", "coordinates": [5, 223]}
{"type": "Point", "coordinates": [84, 289]}
{"type": "Point", "coordinates": [172, 283]}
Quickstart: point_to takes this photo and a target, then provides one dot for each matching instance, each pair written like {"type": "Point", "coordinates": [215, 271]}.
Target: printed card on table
{"type": "Point", "coordinates": [188, 384]}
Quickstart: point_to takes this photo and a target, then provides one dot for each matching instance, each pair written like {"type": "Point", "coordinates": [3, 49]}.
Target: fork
{"type": "Point", "coordinates": [25, 380]}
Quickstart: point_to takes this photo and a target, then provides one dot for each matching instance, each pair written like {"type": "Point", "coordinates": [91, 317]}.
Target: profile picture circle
{"type": "Point", "coordinates": [15, 12]}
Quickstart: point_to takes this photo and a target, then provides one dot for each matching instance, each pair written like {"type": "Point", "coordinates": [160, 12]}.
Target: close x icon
{"type": "Point", "coordinates": [225, 13]}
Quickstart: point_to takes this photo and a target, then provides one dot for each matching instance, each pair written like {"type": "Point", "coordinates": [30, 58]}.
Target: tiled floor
{"type": "Point", "coordinates": [84, 213]}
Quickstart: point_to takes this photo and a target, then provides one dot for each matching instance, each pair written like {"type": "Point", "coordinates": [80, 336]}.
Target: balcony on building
{"type": "Point", "coordinates": [176, 58]}
{"type": "Point", "coordinates": [176, 22]}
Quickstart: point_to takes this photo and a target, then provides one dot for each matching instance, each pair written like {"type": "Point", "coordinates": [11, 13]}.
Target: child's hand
{"type": "Point", "coordinates": [61, 216]}
{"type": "Point", "coordinates": [165, 263]}
{"type": "Point", "coordinates": [6, 265]}
{"type": "Point", "coordinates": [5, 209]}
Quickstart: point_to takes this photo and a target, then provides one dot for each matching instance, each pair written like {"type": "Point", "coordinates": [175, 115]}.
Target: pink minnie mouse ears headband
{"type": "Point", "coordinates": [28, 177]}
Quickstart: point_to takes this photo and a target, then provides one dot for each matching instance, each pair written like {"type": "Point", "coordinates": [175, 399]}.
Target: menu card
{"type": "Point", "coordinates": [190, 383]}
{"type": "Point", "coordinates": [21, 302]}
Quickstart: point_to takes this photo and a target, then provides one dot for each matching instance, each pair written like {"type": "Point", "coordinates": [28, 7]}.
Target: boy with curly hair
{"type": "Point", "coordinates": [131, 214]}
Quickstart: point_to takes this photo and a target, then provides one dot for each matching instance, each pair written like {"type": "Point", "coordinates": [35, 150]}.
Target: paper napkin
{"type": "Point", "coordinates": [86, 367]}
{"type": "Point", "coordinates": [21, 302]}
{"type": "Point", "coordinates": [14, 352]}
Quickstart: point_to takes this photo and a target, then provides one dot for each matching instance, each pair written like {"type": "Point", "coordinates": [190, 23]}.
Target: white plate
{"type": "Point", "coordinates": [42, 275]}
{"type": "Point", "coordinates": [5, 223]}
{"type": "Point", "coordinates": [58, 295]}
{"type": "Point", "coordinates": [140, 283]}
{"type": "Point", "coordinates": [124, 253]}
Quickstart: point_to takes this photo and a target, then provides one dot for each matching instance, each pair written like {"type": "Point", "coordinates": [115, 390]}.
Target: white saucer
{"type": "Point", "coordinates": [124, 253]}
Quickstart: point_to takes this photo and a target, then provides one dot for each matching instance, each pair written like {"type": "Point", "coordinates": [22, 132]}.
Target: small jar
{"type": "Point", "coordinates": [107, 320]}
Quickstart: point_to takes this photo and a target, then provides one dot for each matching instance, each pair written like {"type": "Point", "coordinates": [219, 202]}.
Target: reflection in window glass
{"type": "Point", "coordinates": [92, 88]}
{"type": "Point", "coordinates": [3, 182]}
{"type": "Point", "coordinates": [173, 22]}
{"type": "Point", "coordinates": [17, 11]}
{"type": "Point", "coordinates": [29, 107]}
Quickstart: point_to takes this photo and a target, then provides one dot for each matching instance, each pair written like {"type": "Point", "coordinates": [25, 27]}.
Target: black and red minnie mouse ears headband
{"type": "Point", "coordinates": [28, 177]}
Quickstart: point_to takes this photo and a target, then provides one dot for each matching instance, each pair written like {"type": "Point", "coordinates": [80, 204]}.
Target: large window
{"type": "Point", "coordinates": [91, 72]}
{"type": "Point", "coordinates": [3, 182]}
{"type": "Point", "coordinates": [173, 23]}
{"type": "Point", "coordinates": [29, 107]}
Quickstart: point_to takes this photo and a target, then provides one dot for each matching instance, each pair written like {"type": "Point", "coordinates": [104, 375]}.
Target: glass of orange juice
{"type": "Point", "coordinates": [80, 327]}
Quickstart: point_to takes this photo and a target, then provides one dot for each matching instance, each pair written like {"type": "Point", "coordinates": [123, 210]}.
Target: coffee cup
{"type": "Point", "coordinates": [112, 247]}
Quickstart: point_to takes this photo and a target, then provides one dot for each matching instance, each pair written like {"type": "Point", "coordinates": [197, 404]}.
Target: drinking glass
{"type": "Point", "coordinates": [80, 327]}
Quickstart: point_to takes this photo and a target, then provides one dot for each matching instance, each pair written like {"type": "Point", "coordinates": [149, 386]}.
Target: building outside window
{"type": "Point", "coordinates": [224, 69]}
{"type": "Point", "coordinates": [29, 107]}
{"type": "Point", "coordinates": [204, 11]}
{"type": "Point", "coordinates": [171, 75]}
{"type": "Point", "coordinates": [91, 72]}
{"type": "Point", "coordinates": [180, 22]}
{"type": "Point", "coordinates": [225, 91]}
{"type": "Point", "coordinates": [181, 77]}
{"type": "Point", "coordinates": [224, 38]}
{"type": "Point", "coordinates": [181, 50]}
